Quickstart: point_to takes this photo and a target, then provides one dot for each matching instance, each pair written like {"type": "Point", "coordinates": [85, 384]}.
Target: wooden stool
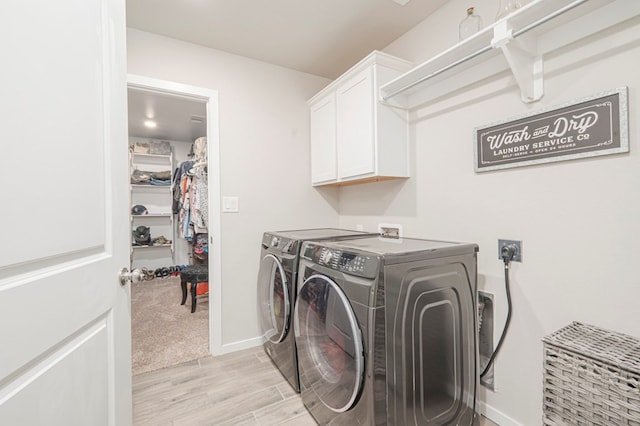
{"type": "Point", "coordinates": [193, 274]}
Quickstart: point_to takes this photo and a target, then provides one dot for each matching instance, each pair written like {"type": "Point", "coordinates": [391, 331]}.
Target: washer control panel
{"type": "Point", "coordinates": [344, 261]}
{"type": "Point", "coordinates": [352, 262]}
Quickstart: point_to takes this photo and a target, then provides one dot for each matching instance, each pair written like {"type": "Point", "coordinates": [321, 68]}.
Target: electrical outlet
{"type": "Point", "coordinates": [517, 257]}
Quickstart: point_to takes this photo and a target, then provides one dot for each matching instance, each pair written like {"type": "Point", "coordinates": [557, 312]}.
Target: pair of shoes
{"type": "Point", "coordinates": [162, 272]}
{"type": "Point", "coordinates": [161, 241]}
{"type": "Point", "coordinates": [147, 274]}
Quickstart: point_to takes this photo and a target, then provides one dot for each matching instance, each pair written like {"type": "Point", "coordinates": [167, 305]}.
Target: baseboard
{"type": "Point", "coordinates": [497, 416]}
{"type": "Point", "coordinates": [240, 345]}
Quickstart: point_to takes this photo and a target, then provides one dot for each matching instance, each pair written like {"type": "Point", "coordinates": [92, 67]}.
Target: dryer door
{"type": "Point", "coordinates": [330, 349]}
{"type": "Point", "coordinates": [273, 299]}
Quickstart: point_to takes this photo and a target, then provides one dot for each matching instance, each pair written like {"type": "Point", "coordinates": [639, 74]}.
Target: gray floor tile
{"type": "Point", "coordinates": [239, 389]}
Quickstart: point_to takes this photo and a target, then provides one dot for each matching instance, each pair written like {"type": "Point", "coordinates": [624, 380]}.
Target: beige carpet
{"type": "Point", "coordinates": [163, 332]}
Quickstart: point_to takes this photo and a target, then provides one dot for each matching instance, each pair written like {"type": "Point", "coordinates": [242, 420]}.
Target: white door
{"type": "Point", "coordinates": [64, 317]}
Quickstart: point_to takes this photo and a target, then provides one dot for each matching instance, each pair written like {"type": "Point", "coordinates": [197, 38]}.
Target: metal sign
{"type": "Point", "coordinates": [585, 128]}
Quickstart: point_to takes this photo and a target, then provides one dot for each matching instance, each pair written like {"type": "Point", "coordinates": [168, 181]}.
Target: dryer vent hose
{"type": "Point", "coordinates": [507, 322]}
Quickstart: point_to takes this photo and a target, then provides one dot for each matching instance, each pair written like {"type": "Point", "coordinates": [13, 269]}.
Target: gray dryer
{"type": "Point", "coordinates": [277, 292]}
{"type": "Point", "coordinates": [386, 332]}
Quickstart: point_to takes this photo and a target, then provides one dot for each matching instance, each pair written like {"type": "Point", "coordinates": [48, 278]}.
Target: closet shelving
{"type": "Point", "coordinates": [156, 198]}
{"type": "Point", "coordinates": [517, 42]}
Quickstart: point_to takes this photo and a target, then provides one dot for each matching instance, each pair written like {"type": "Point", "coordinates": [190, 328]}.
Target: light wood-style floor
{"type": "Point", "coordinates": [241, 388]}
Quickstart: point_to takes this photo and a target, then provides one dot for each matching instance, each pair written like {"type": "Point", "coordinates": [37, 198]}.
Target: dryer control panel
{"type": "Point", "coordinates": [344, 261]}
{"type": "Point", "coordinates": [279, 244]}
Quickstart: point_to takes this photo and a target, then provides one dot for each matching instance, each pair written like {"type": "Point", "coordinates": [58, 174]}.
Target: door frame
{"type": "Point", "coordinates": [210, 97]}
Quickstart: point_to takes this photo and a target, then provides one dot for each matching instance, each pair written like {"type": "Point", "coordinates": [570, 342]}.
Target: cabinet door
{"type": "Point", "coordinates": [355, 126]}
{"type": "Point", "coordinates": [323, 140]}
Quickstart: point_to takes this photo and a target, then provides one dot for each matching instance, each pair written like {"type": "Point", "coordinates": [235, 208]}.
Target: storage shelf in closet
{"type": "Point", "coordinates": [158, 156]}
{"type": "Point", "coordinates": [142, 216]}
{"type": "Point", "coordinates": [154, 187]}
{"type": "Point", "coordinates": [517, 42]}
{"type": "Point", "coordinates": [159, 197]}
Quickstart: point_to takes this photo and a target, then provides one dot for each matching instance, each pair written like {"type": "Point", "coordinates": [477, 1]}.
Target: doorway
{"type": "Point", "coordinates": [183, 115]}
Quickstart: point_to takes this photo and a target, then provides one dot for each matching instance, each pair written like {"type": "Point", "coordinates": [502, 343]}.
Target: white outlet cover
{"type": "Point", "coordinates": [386, 226]}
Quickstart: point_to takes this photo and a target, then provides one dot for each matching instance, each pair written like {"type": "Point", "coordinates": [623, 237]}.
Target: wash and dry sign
{"type": "Point", "coordinates": [586, 128]}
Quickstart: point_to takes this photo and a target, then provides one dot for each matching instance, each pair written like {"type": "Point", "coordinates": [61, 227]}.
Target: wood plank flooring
{"type": "Point", "coordinates": [241, 388]}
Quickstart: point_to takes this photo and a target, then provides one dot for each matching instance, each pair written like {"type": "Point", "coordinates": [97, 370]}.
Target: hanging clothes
{"type": "Point", "coordinates": [185, 208]}
{"type": "Point", "coordinates": [177, 186]}
{"type": "Point", "coordinates": [200, 149]}
{"type": "Point", "coordinates": [190, 193]}
{"type": "Point", "coordinates": [200, 201]}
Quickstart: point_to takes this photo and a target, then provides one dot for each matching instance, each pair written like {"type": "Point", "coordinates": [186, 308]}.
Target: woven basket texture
{"type": "Point", "coordinates": [591, 377]}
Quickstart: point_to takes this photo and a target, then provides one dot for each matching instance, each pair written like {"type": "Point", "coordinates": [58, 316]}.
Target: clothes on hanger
{"type": "Point", "coordinates": [190, 195]}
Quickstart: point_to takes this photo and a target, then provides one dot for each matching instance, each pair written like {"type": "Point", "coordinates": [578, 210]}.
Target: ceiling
{"type": "Point", "coordinates": [177, 118]}
{"type": "Point", "coordinates": [320, 37]}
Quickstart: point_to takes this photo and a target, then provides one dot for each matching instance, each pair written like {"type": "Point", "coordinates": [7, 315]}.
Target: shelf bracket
{"type": "Point", "coordinates": [524, 60]}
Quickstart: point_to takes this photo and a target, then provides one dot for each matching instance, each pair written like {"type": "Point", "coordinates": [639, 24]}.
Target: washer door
{"type": "Point", "coordinates": [273, 299]}
{"type": "Point", "coordinates": [330, 350]}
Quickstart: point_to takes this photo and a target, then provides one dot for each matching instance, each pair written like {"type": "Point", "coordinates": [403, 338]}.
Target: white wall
{"type": "Point", "coordinates": [264, 156]}
{"type": "Point", "coordinates": [578, 219]}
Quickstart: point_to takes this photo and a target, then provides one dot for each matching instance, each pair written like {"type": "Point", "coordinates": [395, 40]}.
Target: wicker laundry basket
{"type": "Point", "coordinates": [591, 377]}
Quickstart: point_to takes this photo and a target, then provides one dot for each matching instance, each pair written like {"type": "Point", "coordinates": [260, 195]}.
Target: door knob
{"type": "Point", "coordinates": [135, 276]}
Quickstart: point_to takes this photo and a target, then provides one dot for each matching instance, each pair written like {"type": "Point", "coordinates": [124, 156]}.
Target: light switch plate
{"type": "Point", "coordinates": [230, 205]}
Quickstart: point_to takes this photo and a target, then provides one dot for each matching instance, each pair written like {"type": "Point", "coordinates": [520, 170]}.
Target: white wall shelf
{"type": "Point", "coordinates": [161, 157]}
{"type": "Point", "coordinates": [147, 186]}
{"type": "Point", "coordinates": [517, 42]}
{"type": "Point", "coordinates": [158, 200]}
{"type": "Point", "coordinates": [143, 216]}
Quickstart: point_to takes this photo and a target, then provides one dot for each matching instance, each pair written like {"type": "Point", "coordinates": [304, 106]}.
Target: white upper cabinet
{"type": "Point", "coordinates": [355, 121]}
{"type": "Point", "coordinates": [323, 140]}
{"type": "Point", "coordinates": [353, 137]}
